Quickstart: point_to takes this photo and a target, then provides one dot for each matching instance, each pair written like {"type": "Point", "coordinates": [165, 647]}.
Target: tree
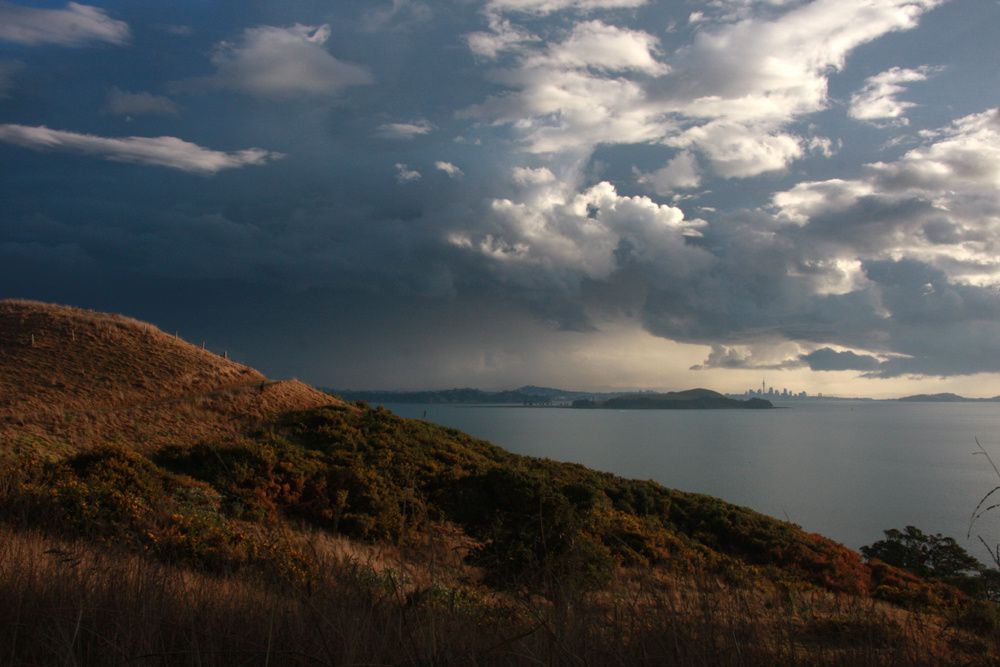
{"type": "Point", "coordinates": [929, 556]}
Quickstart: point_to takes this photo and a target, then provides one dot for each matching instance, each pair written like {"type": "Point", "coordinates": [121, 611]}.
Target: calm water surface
{"type": "Point", "coordinates": [848, 470]}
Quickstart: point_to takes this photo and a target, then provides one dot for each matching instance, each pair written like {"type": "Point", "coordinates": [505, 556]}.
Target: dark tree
{"type": "Point", "coordinates": [930, 556]}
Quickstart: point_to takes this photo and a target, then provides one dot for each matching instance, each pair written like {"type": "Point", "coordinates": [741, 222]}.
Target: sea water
{"type": "Point", "coordinates": [845, 469]}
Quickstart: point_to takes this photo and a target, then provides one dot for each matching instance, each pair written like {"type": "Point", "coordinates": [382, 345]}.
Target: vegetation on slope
{"type": "Point", "coordinates": [371, 475]}
{"type": "Point", "coordinates": [524, 538]}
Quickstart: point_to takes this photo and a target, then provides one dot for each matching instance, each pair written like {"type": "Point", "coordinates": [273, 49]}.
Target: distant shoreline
{"type": "Point", "coordinates": [530, 396]}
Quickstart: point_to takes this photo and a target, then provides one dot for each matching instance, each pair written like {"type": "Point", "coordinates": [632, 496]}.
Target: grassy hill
{"type": "Point", "coordinates": [75, 378]}
{"type": "Point", "coordinates": [192, 478]}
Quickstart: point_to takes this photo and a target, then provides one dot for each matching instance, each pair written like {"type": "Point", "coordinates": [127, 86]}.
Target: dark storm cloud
{"type": "Point", "coordinates": [485, 162]}
{"type": "Point", "coordinates": [827, 359]}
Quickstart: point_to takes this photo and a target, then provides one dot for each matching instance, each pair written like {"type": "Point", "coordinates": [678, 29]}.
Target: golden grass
{"type": "Point", "coordinates": [80, 377]}
{"type": "Point", "coordinates": [73, 604]}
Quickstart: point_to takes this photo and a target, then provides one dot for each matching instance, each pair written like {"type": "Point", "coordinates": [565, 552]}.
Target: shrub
{"type": "Point", "coordinates": [534, 533]}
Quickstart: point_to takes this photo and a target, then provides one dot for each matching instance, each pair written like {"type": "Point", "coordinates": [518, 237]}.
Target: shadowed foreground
{"type": "Point", "coordinates": [65, 603]}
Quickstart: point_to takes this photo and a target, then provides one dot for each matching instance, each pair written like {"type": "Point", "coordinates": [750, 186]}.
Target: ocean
{"type": "Point", "coordinates": [845, 469]}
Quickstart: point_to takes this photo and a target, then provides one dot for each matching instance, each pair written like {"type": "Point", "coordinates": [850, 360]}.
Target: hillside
{"type": "Point", "coordinates": [75, 377]}
{"type": "Point", "coordinates": [124, 446]}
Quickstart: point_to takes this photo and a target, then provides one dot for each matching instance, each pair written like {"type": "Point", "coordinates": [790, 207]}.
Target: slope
{"type": "Point", "coordinates": [76, 378]}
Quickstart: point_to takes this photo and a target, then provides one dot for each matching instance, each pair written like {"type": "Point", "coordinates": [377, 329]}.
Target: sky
{"type": "Point", "coordinates": [591, 194]}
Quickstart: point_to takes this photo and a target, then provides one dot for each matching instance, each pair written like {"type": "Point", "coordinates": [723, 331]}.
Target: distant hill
{"type": "Point", "coordinates": [692, 399]}
{"type": "Point", "coordinates": [77, 377]}
{"type": "Point", "coordinates": [526, 395]}
{"type": "Point", "coordinates": [946, 398]}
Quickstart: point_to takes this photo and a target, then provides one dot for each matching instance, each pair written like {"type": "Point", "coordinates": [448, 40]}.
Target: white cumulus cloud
{"type": "Point", "coordinates": [731, 96]}
{"type": "Point", "coordinates": [406, 175]}
{"type": "Point", "coordinates": [73, 25]}
{"type": "Point", "coordinates": [877, 100]}
{"type": "Point", "coordinates": [449, 168]}
{"type": "Point", "coordinates": [530, 176]}
{"type": "Point", "coordinates": [270, 61]}
{"type": "Point", "coordinates": [156, 151]}
{"type": "Point", "coordinates": [553, 237]}
{"type": "Point", "coordinates": [404, 131]}
{"type": "Point", "coordinates": [681, 172]}
{"type": "Point", "coordinates": [502, 36]}
{"type": "Point", "coordinates": [549, 6]}
{"type": "Point", "coordinates": [594, 44]}
{"type": "Point", "coordinates": [939, 203]}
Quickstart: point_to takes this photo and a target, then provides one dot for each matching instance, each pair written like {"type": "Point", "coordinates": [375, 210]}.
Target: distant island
{"type": "Point", "coordinates": [692, 399]}
{"type": "Point", "coordinates": [529, 395]}
{"type": "Point", "coordinates": [526, 395]}
{"type": "Point", "coordinates": [946, 398]}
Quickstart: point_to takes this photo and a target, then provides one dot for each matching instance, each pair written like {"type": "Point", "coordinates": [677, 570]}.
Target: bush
{"type": "Point", "coordinates": [534, 533]}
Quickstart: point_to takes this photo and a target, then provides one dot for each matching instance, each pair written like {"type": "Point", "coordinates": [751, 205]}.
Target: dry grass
{"type": "Point", "coordinates": [71, 604]}
{"type": "Point", "coordinates": [79, 377]}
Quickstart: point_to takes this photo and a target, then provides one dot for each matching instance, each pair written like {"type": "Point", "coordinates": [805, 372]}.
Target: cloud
{"type": "Point", "coordinates": [901, 261]}
{"type": "Point", "coordinates": [406, 175]}
{"type": "Point", "coordinates": [449, 168]}
{"type": "Point", "coordinates": [680, 173]}
{"type": "Point", "coordinates": [177, 29]}
{"type": "Point", "coordinates": [876, 101]}
{"type": "Point", "coordinates": [743, 81]}
{"type": "Point", "coordinates": [939, 203]}
{"type": "Point", "coordinates": [549, 6]}
{"type": "Point", "coordinates": [577, 92]}
{"type": "Point", "coordinates": [155, 151]}
{"type": "Point", "coordinates": [529, 176]}
{"type": "Point", "coordinates": [553, 238]}
{"type": "Point", "coordinates": [729, 96]}
{"type": "Point", "coordinates": [739, 151]}
{"type": "Point", "coordinates": [9, 70]}
{"type": "Point", "coordinates": [404, 131]}
{"type": "Point", "coordinates": [123, 103]}
{"type": "Point", "coordinates": [828, 359]}
{"type": "Point", "coordinates": [502, 36]}
{"type": "Point", "coordinates": [73, 25]}
{"type": "Point", "coordinates": [274, 62]}
{"type": "Point", "coordinates": [396, 15]}
{"type": "Point", "coordinates": [747, 358]}
{"type": "Point", "coordinates": [602, 47]}
{"type": "Point", "coordinates": [567, 99]}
